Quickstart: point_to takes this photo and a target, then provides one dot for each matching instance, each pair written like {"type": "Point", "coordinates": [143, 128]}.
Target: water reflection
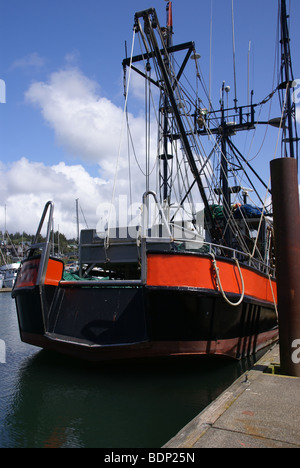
{"type": "Point", "coordinates": [49, 400]}
{"type": "Point", "coordinates": [59, 402]}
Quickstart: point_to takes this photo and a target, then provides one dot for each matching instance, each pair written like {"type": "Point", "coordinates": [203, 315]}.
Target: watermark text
{"type": "Point", "coordinates": [296, 353]}
{"type": "Point", "coordinates": [121, 220]}
{"type": "Point", "coordinates": [2, 352]}
{"type": "Point", "coordinates": [2, 92]}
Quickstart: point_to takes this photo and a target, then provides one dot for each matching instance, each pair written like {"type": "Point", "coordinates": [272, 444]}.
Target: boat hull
{"type": "Point", "coordinates": [9, 283]}
{"type": "Point", "coordinates": [9, 274]}
{"type": "Point", "coordinates": [98, 322]}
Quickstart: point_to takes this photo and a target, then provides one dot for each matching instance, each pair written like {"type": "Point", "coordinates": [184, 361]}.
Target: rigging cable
{"type": "Point", "coordinates": [268, 98]}
{"type": "Point", "coordinates": [129, 161]}
{"type": "Point", "coordinates": [120, 147]}
{"type": "Point", "coordinates": [210, 57]}
{"type": "Point", "coordinates": [279, 132]}
{"type": "Point", "coordinates": [128, 125]}
{"type": "Point", "coordinates": [231, 222]}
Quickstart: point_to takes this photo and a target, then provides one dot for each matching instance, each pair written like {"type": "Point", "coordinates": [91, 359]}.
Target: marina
{"type": "Point", "coordinates": [194, 272]}
{"type": "Point", "coordinates": [178, 328]}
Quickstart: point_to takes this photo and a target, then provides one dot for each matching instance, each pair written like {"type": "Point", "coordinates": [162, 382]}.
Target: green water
{"type": "Point", "coordinates": [48, 400]}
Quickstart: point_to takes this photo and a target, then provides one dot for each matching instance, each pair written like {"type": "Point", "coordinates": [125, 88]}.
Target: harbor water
{"type": "Point", "coordinates": [48, 400]}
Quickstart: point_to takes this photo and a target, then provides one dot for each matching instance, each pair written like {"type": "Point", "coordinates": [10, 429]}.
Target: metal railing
{"type": "Point", "coordinates": [201, 246]}
{"type": "Point", "coordinates": [45, 246]}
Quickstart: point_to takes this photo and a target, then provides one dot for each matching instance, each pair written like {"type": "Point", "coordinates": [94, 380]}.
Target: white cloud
{"type": "Point", "coordinates": [33, 60]}
{"type": "Point", "coordinates": [89, 127]}
{"type": "Point", "coordinates": [29, 185]}
{"type": "Point", "coordinates": [86, 124]}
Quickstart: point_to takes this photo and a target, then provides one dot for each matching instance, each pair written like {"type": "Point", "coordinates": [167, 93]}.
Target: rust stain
{"type": "Point", "coordinates": [249, 426]}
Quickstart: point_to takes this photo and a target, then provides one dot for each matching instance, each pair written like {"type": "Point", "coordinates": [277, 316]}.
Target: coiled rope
{"type": "Point", "coordinates": [219, 284]}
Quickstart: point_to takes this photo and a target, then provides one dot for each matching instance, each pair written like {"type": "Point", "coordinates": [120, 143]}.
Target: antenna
{"type": "Point", "coordinates": [210, 54]}
{"type": "Point", "coordinates": [248, 91]}
{"type": "Point", "coordinates": [233, 46]}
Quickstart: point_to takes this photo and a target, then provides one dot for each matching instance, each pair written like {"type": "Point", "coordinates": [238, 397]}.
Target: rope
{"type": "Point", "coordinates": [273, 295]}
{"type": "Point", "coordinates": [219, 284]}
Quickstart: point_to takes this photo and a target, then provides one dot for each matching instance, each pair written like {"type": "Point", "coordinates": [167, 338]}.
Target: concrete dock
{"type": "Point", "coordinates": [260, 410]}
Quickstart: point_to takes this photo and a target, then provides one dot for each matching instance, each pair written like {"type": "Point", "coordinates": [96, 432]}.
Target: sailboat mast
{"type": "Point", "coordinates": [77, 220]}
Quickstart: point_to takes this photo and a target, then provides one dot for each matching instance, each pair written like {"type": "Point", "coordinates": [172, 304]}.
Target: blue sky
{"type": "Point", "coordinates": [62, 59]}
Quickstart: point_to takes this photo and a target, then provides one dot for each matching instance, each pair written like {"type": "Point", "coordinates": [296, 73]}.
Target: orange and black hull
{"type": "Point", "coordinates": [178, 310]}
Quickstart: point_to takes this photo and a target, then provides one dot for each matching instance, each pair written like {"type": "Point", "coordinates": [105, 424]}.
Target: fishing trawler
{"type": "Point", "coordinates": [196, 275]}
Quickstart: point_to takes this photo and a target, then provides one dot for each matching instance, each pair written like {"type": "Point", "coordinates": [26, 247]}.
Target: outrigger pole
{"type": "Point", "coordinates": [161, 55]}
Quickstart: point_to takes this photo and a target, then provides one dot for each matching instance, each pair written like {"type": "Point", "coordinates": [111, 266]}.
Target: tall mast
{"type": "Point", "coordinates": [287, 83]}
{"type": "Point", "coordinates": [166, 156]}
{"type": "Point", "coordinates": [168, 84]}
{"type": "Point", "coordinates": [77, 220]}
{"type": "Point", "coordinates": [286, 214]}
{"type": "Point", "coordinates": [224, 168]}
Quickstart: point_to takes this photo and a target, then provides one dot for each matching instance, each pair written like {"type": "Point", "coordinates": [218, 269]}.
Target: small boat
{"type": "Point", "coordinates": [195, 275]}
{"type": "Point", "coordinates": [9, 273]}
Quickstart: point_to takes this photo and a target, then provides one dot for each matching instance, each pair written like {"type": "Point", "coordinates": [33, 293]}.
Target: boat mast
{"type": "Point", "coordinates": [287, 83]}
{"type": "Point", "coordinates": [224, 168]}
{"type": "Point", "coordinates": [286, 214]}
{"type": "Point", "coordinates": [165, 156]}
{"type": "Point", "coordinates": [150, 23]}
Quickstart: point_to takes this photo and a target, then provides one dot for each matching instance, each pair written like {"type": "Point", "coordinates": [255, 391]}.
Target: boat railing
{"type": "Point", "coordinates": [227, 252]}
{"type": "Point", "coordinates": [146, 212]}
{"type": "Point", "coordinates": [45, 246]}
{"type": "Point", "coordinates": [192, 241]}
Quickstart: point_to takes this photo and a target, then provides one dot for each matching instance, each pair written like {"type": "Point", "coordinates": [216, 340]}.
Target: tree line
{"type": "Point", "coordinates": [59, 240]}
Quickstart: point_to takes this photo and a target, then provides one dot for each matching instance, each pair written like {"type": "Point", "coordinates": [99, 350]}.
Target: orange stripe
{"type": "Point", "coordinates": [197, 272]}
{"type": "Point", "coordinates": [54, 272]}
{"type": "Point", "coordinates": [27, 277]}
